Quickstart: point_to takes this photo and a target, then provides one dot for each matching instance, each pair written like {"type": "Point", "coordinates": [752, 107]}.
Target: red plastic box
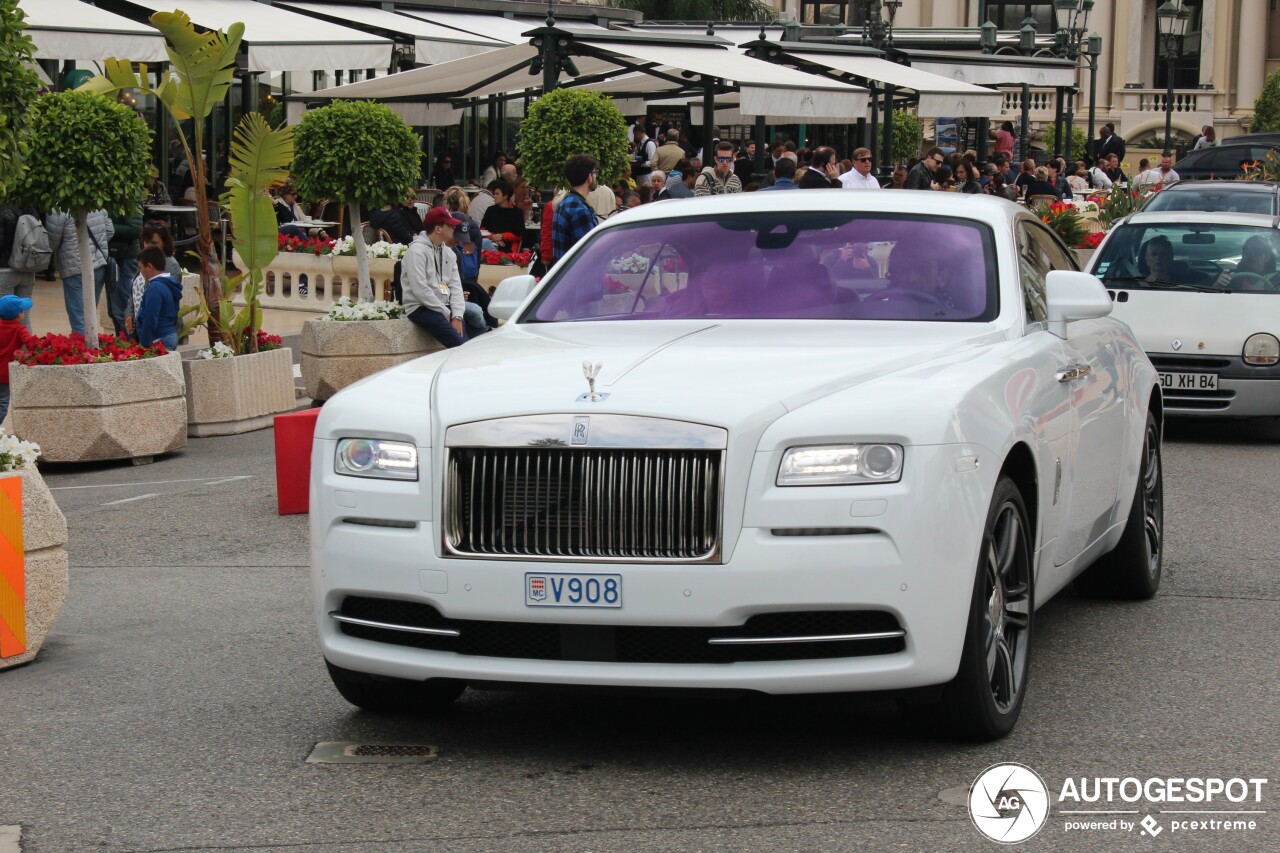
{"type": "Point", "coordinates": [294, 434]}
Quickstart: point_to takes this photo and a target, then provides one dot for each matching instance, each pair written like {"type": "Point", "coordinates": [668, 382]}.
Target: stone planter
{"type": "Point", "coordinates": [227, 396]}
{"type": "Point", "coordinates": [491, 275]}
{"type": "Point", "coordinates": [117, 410]}
{"type": "Point", "coordinates": [317, 268]}
{"type": "Point", "coordinates": [345, 266]}
{"type": "Point", "coordinates": [44, 535]}
{"type": "Point", "coordinates": [337, 353]}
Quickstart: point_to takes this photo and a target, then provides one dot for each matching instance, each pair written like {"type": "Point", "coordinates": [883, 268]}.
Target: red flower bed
{"type": "Point", "coordinates": [71, 349]}
{"type": "Point", "coordinates": [495, 258]}
{"type": "Point", "coordinates": [265, 341]}
{"type": "Point", "coordinates": [1092, 241]}
{"type": "Point", "coordinates": [297, 245]}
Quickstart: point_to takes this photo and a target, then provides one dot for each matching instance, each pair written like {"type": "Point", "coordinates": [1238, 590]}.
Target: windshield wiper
{"type": "Point", "coordinates": [1166, 284]}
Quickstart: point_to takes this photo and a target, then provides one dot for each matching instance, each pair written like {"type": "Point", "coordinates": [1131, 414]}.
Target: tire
{"type": "Point", "coordinates": [1132, 570]}
{"type": "Point", "coordinates": [395, 695]}
{"type": "Point", "coordinates": [985, 698]}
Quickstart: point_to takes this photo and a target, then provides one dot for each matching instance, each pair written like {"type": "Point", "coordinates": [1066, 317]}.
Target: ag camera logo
{"type": "Point", "coordinates": [1008, 803]}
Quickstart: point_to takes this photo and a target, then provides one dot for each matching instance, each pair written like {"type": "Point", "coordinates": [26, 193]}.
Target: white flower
{"type": "Point", "coordinates": [219, 350]}
{"type": "Point", "coordinates": [631, 264]}
{"type": "Point", "coordinates": [346, 309]}
{"type": "Point", "coordinates": [344, 246]}
{"type": "Point", "coordinates": [15, 453]}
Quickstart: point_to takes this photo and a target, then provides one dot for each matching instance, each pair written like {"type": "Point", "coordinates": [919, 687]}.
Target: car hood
{"type": "Point", "coordinates": [1203, 323]}
{"type": "Point", "coordinates": [729, 374]}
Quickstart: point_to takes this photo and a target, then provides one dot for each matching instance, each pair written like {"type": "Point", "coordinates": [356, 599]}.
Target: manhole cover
{"type": "Point", "coordinates": [349, 752]}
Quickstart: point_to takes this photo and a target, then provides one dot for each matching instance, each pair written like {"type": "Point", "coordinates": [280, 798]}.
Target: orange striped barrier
{"type": "Point", "coordinates": [13, 599]}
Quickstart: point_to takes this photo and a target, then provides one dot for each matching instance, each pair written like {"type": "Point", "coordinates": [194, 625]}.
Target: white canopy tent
{"type": "Point", "coordinates": [939, 95]}
{"type": "Point", "coordinates": [72, 30]}
{"type": "Point", "coordinates": [280, 40]}
{"type": "Point", "coordinates": [1003, 70]}
{"type": "Point", "coordinates": [501, 28]}
{"type": "Point", "coordinates": [432, 43]}
{"type": "Point", "coordinates": [622, 67]}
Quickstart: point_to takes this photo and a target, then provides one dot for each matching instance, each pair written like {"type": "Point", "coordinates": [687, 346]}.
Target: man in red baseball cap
{"type": "Point", "coordinates": [432, 286]}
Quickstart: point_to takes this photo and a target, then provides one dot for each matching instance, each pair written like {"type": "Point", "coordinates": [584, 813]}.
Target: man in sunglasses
{"type": "Point", "coordinates": [921, 175]}
{"type": "Point", "coordinates": [860, 177]}
{"type": "Point", "coordinates": [719, 178]}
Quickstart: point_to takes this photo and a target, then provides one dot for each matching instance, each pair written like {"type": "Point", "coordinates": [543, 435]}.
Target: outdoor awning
{"type": "Point", "coordinates": [783, 94]}
{"type": "Point", "coordinates": [280, 40]}
{"type": "Point", "coordinates": [509, 30]}
{"type": "Point", "coordinates": [939, 95]}
{"type": "Point", "coordinates": [432, 43]}
{"type": "Point", "coordinates": [992, 70]}
{"type": "Point", "coordinates": [70, 29]}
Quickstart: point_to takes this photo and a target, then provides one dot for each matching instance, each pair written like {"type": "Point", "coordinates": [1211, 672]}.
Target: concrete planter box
{"type": "Point", "coordinates": [44, 535]}
{"type": "Point", "coordinates": [117, 410]}
{"type": "Point", "coordinates": [320, 286]}
{"type": "Point", "coordinates": [345, 266]}
{"type": "Point", "coordinates": [491, 275]}
{"type": "Point", "coordinates": [337, 353]}
{"type": "Point", "coordinates": [227, 396]}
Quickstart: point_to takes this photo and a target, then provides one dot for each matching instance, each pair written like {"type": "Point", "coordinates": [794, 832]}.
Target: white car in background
{"type": "Point", "coordinates": [1208, 313]}
{"type": "Point", "coordinates": [781, 442]}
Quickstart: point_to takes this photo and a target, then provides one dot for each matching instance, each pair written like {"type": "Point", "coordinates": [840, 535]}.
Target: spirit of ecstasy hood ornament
{"type": "Point", "coordinates": [591, 371]}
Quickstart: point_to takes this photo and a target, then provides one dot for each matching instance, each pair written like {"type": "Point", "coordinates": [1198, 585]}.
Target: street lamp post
{"type": "Point", "coordinates": [877, 30]}
{"type": "Point", "coordinates": [1073, 20]}
{"type": "Point", "coordinates": [1172, 17]}
{"type": "Point", "coordinates": [1093, 50]}
{"type": "Point", "coordinates": [1027, 45]}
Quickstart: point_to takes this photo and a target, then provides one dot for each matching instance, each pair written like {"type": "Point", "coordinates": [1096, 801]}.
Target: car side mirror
{"type": "Point", "coordinates": [1074, 296]}
{"type": "Point", "coordinates": [510, 295]}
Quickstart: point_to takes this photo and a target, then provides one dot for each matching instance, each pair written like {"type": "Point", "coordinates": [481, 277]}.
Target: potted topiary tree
{"type": "Point", "coordinates": [566, 122]}
{"type": "Point", "coordinates": [92, 153]}
{"type": "Point", "coordinates": [1266, 109]}
{"type": "Point", "coordinates": [18, 87]}
{"type": "Point", "coordinates": [360, 152]}
{"type": "Point", "coordinates": [201, 69]}
{"type": "Point", "coordinates": [908, 136]}
{"type": "Point", "coordinates": [239, 383]}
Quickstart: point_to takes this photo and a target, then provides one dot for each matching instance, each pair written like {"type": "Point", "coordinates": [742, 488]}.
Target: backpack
{"type": "Point", "coordinates": [31, 252]}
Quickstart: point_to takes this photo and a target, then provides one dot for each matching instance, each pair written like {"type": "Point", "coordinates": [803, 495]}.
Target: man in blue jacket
{"type": "Point", "coordinates": [157, 318]}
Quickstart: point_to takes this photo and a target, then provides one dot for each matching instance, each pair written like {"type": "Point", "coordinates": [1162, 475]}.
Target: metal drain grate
{"type": "Point", "coordinates": [349, 752]}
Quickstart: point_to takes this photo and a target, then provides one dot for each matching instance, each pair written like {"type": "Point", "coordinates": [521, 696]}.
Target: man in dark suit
{"type": "Point", "coordinates": [1109, 142]}
{"type": "Point", "coordinates": [823, 171]}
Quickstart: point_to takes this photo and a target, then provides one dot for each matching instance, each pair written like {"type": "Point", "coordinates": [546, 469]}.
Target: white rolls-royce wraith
{"type": "Point", "coordinates": [784, 442]}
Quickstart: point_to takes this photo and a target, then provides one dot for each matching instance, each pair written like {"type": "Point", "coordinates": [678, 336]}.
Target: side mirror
{"type": "Point", "coordinates": [510, 295]}
{"type": "Point", "coordinates": [1074, 296]}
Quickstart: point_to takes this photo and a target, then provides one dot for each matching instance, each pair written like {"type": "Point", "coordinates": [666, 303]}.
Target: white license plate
{"type": "Point", "coordinates": [1189, 381]}
{"type": "Point", "coordinates": [557, 589]}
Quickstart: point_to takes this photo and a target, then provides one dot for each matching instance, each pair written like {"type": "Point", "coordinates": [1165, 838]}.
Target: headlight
{"type": "Point", "coordinates": [372, 457]}
{"type": "Point", "coordinates": [839, 465]}
{"type": "Point", "coordinates": [1261, 349]}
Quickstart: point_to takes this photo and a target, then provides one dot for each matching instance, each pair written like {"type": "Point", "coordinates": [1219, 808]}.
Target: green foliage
{"type": "Point", "coordinates": [1064, 221]}
{"type": "Point", "coordinates": [93, 153]}
{"type": "Point", "coordinates": [1079, 144]}
{"type": "Point", "coordinates": [568, 122]}
{"type": "Point", "coordinates": [1266, 110]}
{"type": "Point", "coordinates": [1120, 203]}
{"type": "Point", "coordinates": [355, 151]}
{"type": "Point", "coordinates": [18, 87]}
{"type": "Point", "coordinates": [908, 136]}
{"type": "Point", "coordinates": [699, 10]}
{"type": "Point", "coordinates": [260, 158]}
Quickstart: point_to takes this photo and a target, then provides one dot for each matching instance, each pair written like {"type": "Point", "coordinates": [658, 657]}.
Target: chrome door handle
{"type": "Point", "coordinates": [1074, 372]}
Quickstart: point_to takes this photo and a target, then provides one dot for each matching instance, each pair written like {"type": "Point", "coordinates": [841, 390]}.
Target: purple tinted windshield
{"type": "Point", "coordinates": [812, 265]}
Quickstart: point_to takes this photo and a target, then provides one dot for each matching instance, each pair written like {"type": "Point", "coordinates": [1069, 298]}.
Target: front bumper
{"type": "Point", "coordinates": [910, 551]}
{"type": "Point", "coordinates": [1244, 391]}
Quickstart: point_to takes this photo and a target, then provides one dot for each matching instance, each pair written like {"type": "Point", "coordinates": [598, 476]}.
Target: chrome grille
{"type": "Point", "coordinates": [583, 503]}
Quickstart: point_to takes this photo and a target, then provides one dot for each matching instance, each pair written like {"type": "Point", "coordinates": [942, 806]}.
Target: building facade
{"type": "Point", "coordinates": [1229, 48]}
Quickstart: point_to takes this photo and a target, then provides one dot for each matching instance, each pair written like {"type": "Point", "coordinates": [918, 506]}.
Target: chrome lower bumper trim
{"type": "Point", "coordinates": [412, 629]}
{"type": "Point", "coordinates": [818, 638]}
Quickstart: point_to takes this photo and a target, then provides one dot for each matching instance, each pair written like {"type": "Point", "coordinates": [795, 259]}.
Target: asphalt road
{"type": "Point", "coordinates": [182, 689]}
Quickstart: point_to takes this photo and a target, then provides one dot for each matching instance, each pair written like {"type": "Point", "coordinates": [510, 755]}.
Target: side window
{"type": "Point", "coordinates": [1033, 266]}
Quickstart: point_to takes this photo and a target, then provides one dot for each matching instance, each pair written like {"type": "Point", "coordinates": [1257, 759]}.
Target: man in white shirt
{"type": "Point", "coordinates": [1098, 175]}
{"type": "Point", "coordinates": [860, 177]}
{"type": "Point", "coordinates": [432, 284]}
{"type": "Point", "coordinates": [1163, 175]}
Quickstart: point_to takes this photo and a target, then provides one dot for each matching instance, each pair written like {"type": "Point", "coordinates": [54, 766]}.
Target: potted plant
{"type": "Point", "coordinates": [39, 581]}
{"type": "Point", "coordinates": [382, 257]}
{"type": "Point", "coordinates": [201, 69]}
{"type": "Point", "coordinates": [567, 122]}
{"type": "Point", "coordinates": [91, 153]}
{"type": "Point", "coordinates": [18, 88]}
{"type": "Point", "coordinates": [362, 153]}
{"type": "Point", "coordinates": [242, 381]}
{"type": "Point", "coordinates": [118, 400]}
{"type": "Point", "coordinates": [355, 340]}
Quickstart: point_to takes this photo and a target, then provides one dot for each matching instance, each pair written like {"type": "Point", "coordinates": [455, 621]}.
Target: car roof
{"type": "Point", "coordinates": [1222, 185]}
{"type": "Point", "coordinates": [1175, 217]}
{"type": "Point", "coordinates": [990, 209]}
